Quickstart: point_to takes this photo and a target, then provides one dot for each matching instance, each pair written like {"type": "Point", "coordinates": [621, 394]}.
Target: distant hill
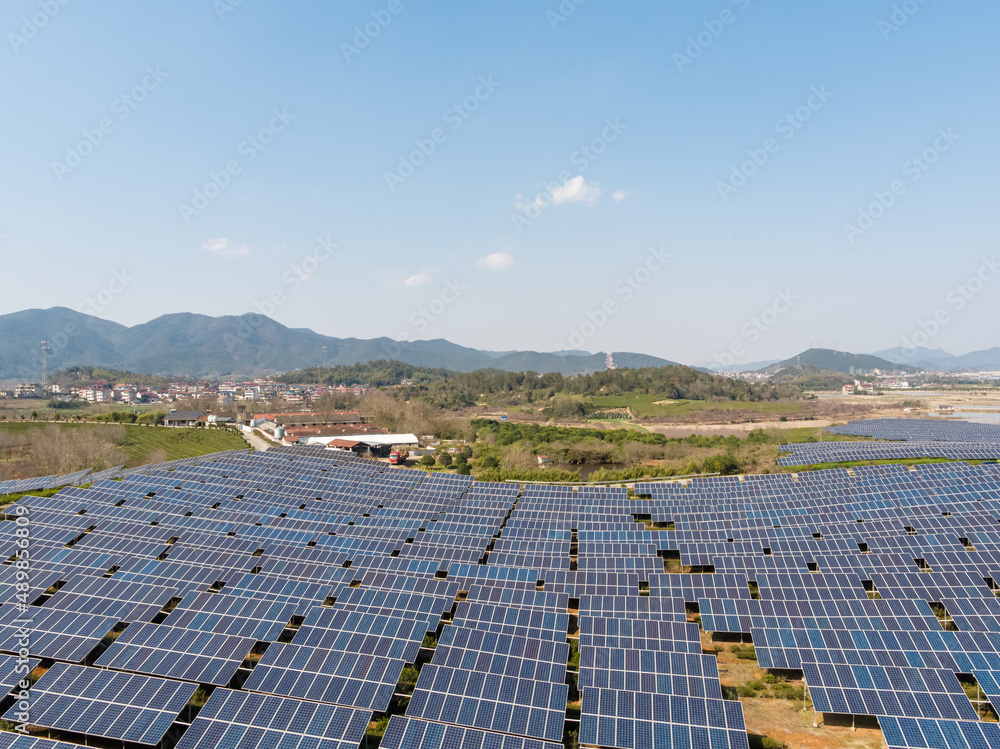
{"type": "Point", "coordinates": [190, 345]}
{"type": "Point", "coordinates": [837, 361]}
{"type": "Point", "coordinates": [918, 356]}
{"type": "Point", "coordinates": [752, 366]}
{"type": "Point", "coordinates": [938, 359]}
{"type": "Point", "coordinates": [811, 378]}
{"type": "Point", "coordinates": [987, 359]}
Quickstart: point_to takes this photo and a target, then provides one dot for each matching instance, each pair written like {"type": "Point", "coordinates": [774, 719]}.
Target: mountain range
{"type": "Point", "coordinates": [938, 359]}
{"type": "Point", "coordinates": [191, 345]}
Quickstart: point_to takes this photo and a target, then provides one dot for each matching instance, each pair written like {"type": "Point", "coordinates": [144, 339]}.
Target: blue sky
{"type": "Point", "coordinates": [511, 175]}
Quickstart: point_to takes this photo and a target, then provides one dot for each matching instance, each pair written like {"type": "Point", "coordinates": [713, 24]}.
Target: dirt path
{"type": "Point", "coordinates": [257, 443]}
{"type": "Point", "coordinates": [740, 430]}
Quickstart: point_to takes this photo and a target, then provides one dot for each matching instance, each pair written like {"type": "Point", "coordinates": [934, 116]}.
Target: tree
{"type": "Point", "coordinates": [34, 415]}
{"type": "Point", "coordinates": [427, 460]}
{"type": "Point", "coordinates": [463, 469]}
{"type": "Point", "coordinates": [444, 459]}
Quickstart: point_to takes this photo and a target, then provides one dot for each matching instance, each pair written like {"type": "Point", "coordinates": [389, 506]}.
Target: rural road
{"type": "Point", "coordinates": [255, 442]}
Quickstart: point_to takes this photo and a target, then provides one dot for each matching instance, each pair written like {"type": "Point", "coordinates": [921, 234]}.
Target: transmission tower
{"type": "Point", "coordinates": [45, 361]}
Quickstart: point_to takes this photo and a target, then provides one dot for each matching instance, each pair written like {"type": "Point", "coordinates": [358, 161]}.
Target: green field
{"type": "Point", "coordinates": [817, 434]}
{"type": "Point", "coordinates": [858, 463]}
{"type": "Point", "coordinates": [649, 406]}
{"type": "Point", "coordinates": [142, 443]}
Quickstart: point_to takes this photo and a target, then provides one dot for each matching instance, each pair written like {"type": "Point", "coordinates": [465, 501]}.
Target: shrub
{"type": "Point", "coordinates": [785, 691]}
{"type": "Point", "coordinates": [744, 652]}
{"type": "Point", "coordinates": [753, 688]}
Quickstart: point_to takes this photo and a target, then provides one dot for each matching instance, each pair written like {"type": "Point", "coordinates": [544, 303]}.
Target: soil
{"type": "Point", "coordinates": [781, 720]}
{"type": "Point", "coordinates": [785, 720]}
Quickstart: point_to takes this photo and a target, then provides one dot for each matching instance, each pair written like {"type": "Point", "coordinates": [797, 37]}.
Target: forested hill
{"type": "Point", "coordinates": [381, 373]}
{"type": "Point", "coordinates": [461, 389]}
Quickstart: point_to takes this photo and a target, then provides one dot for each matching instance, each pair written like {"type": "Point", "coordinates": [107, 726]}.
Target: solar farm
{"type": "Point", "coordinates": [290, 598]}
{"type": "Point", "coordinates": [904, 439]}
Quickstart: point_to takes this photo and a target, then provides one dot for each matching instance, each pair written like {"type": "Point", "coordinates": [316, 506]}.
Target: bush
{"type": "Point", "coordinates": [534, 474]}
{"type": "Point", "coordinates": [744, 652]}
{"type": "Point", "coordinates": [444, 459]}
{"type": "Point", "coordinates": [769, 743]}
{"type": "Point", "coordinates": [377, 728]}
{"type": "Point", "coordinates": [785, 691]}
{"type": "Point", "coordinates": [488, 461]}
{"type": "Point", "coordinates": [64, 405]}
{"type": "Point", "coordinates": [753, 688]}
{"type": "Point", "coordinates": [408, 680]}
{"type": "Point", "coordinates": [427, 460]}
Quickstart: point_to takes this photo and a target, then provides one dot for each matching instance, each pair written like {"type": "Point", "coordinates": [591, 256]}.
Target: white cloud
{"type": "Point", "coordinates": [619, 195]}
{"type": "Point", "coordinates": [573, 190]}
{"type": "Point", "coordinates": [496, 261]}
{"type": "Point", "coordinates": [418, 279]}
{"type": "Point", "coordinates": [224, 249]}
{"type": "Point", "coordinates": [576, 190]}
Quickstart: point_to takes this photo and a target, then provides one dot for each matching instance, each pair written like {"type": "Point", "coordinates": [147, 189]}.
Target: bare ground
{"type": "Point", "coordinates": [785, 720]}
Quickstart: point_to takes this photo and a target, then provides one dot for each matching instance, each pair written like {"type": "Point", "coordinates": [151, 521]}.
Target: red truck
{"type": "Point", "coordinates": [398, 457]}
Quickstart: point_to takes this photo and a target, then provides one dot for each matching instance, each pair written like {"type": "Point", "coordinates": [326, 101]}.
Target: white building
{"type": "Point", "coordinates": [28, 390]}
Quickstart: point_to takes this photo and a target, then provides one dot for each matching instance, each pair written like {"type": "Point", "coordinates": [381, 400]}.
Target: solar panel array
{"type": "Point", "coordinates": [107, 704]}
{"type": "Point", "coordinates": [332, 570]}
{"type": "Point", "coordinates": [236, 719]}
{"type": "Point", "coordinates": [904, 438]}
{"type": "Point", "coordinates": [923, 430]}
{"type": "Point", "coordinates": [815, 453]}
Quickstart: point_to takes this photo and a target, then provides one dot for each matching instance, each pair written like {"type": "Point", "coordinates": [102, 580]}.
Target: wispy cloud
{"type": "Point", "coordinates": [222, 247]}
{"type": "Point", "coordinates": [619, 195]}
{"type": "Point", "coordinates": [573, 190]}
{"type": "Point", "coordinates": [418, 279]}
{"type": "Point", "coordinates": [496, 261]}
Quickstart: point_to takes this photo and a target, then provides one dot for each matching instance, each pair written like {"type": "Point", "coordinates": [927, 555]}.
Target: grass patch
{"type": "Point", "coordinates": [857, 463]}
{"type": "Point", "coordinates": [10, 499]}
{"type": "Point", "coordinates": [145, 444]}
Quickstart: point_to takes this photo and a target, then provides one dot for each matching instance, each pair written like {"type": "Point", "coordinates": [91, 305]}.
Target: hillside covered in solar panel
{"type": "Point", "coordinates": [308, 598]}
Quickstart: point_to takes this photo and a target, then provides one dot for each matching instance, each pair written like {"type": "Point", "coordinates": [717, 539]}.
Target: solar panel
{"type": "Point", "coordinates": [19, 741]}
{"type": "Point", "coordinates": [241, 719]}
{"type": "Point", "coordinates": [914, 733]}
{"type": "Point", "coordinates": [411, 733]}
{"type": "Point", "coordinates": [106, 704]}
{"type": "Point", "coordinates": [490, 701]}
{"type": "Point", "coordinates": [887, 691]}
{"type": "Point", "coordinates": [634, 720]}
{"type": "Point", "coordinates": [319, 674]}
{"type": "Point", "coordinates": [61, 635]}
{"type": "Point", "coordinates": [11, 672]}
{"type": "Point", "coordinates": [174, 652]}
